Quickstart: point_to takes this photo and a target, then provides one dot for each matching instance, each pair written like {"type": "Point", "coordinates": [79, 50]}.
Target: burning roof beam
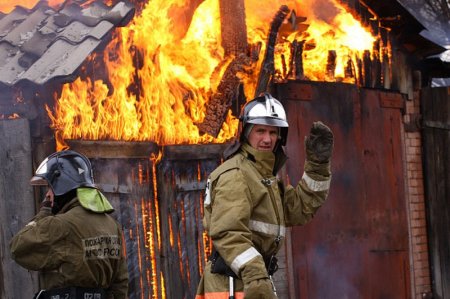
{"type": "Point", "coordinates": [234, 42]}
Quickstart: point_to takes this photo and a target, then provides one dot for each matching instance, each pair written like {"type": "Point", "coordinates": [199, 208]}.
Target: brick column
{"type": "Point", "coordinates": [419, 263]}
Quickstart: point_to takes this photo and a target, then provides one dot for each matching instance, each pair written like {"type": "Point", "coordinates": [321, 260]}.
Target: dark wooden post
{"type": "Point", "coordinates": [234, 43]}
{"type": "Point", "coordinates": [16, 205]}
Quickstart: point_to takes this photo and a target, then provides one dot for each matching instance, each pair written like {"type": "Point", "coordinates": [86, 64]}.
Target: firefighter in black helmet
{"type": "Point", "coordinates": [247, 208]}
{"type": "Point", "coordinates": [73, 241]}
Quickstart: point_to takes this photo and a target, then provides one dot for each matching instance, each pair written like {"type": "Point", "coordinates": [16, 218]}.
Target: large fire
{"type": "Point", "coordinates": [161, 72]}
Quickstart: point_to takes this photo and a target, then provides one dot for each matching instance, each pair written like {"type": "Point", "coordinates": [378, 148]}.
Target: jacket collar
{"type": "Point", "coordinates": [264, 161]}
{"type": "Point", "coordinates": [70, 205]}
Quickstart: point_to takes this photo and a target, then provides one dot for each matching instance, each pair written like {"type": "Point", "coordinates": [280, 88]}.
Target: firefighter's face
{"type": "Point", "coordinates": [263, 138]}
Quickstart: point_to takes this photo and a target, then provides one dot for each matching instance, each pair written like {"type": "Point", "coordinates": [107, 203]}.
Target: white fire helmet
{"type": "Point", "coordinates": [265, 110]}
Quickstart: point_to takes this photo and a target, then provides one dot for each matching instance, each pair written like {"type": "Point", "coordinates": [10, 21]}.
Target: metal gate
{"type": "Point", "coordinates": [357, 245]}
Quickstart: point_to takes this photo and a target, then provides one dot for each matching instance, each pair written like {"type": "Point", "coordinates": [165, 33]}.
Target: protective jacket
{"type": "Point", "coordinates": [76, 247]}
{"type": "Point", "coordinates": [247, 210]}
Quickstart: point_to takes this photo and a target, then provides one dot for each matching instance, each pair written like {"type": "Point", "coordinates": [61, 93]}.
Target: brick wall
{"type": "Point", "coordinates": [419, 263]}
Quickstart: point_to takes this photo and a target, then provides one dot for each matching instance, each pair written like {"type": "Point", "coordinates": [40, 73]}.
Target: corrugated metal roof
{"type": "Point", "coordinates": [40, 44]}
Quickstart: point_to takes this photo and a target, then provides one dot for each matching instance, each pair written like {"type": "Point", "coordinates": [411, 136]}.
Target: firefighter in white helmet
{"type": "Point", "coordinates": [72, 241]}
{"type": "Point", "coordinates": [247, 208]}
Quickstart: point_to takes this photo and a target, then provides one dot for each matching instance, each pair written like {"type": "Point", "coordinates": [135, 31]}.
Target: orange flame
{"type": "Point", "coordinates": [6, 6]}
{"type": "Point", "coordinates": [162, 83]}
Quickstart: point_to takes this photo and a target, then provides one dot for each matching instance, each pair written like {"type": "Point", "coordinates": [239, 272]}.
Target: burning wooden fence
{"type": "Point", "coordinates": [157, 190]}
{"type": "Point", "coordinates": [159, 201]}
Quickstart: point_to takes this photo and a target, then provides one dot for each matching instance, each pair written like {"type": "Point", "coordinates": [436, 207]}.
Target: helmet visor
{"type": "Point", "coordinates": [38, 181]}
{"type": "Point", "coordinates": [268, 121]}
{"type": "Point", "coordinates": [39, 178]}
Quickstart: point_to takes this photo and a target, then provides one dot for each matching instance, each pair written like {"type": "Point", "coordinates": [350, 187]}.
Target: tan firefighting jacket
{"type": "Point", "coordinates": [76, 247]}
{"type": "Point", "coordinates": [247, 210]}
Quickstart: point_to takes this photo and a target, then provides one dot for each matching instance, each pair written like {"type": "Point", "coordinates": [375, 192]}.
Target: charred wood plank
{"type": "Point", "coordinates": [15, 158]}
{"type": "Point", "coordinates": [367, 70]}
{"type": "Point", "coordinates": [267, 67]}
{"type": "Point", "coordinates": [297, 57]}
{"type": "Point", "coordinates": [221, 101]}
{"type": "Point", "coordinates": [113, 149]}
{"type": "Point", "coordinates": [234, 43]}
{"type": "Point", "coordinates": [233, 27]}
{"type": "Point", "coordinates": [331, 65]}
{"type": "Point", "coordinates": [349, 71]}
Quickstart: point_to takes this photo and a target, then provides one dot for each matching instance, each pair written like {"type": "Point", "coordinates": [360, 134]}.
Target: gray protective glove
{"type": "Point", "coordinates": [257, 284]}
{"type": "Point", "coordinates": [319, 143]}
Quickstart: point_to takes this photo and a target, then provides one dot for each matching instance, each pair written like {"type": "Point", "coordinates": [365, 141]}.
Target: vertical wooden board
{"type": "Point", "coordinates": [135, 209]}
{"type": "Point", "coordinates": [349, 224]}
{"type": "Point", "coordinates": [183, 208]}
{"type": "Point", "coordinates": [16, 205]}
{"type": "Point", "coordinates": [435, 107]}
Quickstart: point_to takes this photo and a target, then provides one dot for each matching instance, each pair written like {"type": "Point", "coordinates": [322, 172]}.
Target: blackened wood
{"type": "Point", "coordinates": [435, 109]}
{"type": "Point", "coordinates": [186, 248]}
{"type": "Point", "coordinates": [233, 27]}
{"type": "Point", "coordinates": [113, 149]}
{"type": "Point", "coordinates": [386, 70]}
{"type": "Point", "coordinates": [360, 71]}
{"type": "Point", "coordinates": [349, 70]}
{"type": "Point", "coordinates": [267, 67]}
{"type": "Point", "coordinates": [221, 101]}
{"type": "Point", "coordinates": [298, 59]}
{"type": "Point", "coordinates": [367, 65]}
{"type": "Point", "coordinates": [16, 205]}
{"type": "Point", "coordinates": [18, 102]}
{"type": "Point", "coordinates": [376, 66]}
{"type": "Point", "coordinates": [136, 208]}
{"type": "Point", "coordinates": [331, 65]}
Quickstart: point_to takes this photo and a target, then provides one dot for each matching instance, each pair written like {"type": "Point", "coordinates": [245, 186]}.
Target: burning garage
{"type": "Point", "coordinates": [150, 92]}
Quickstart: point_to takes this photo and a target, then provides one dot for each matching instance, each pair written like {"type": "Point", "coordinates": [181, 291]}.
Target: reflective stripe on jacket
{"type": "Point", "coordinates": [247, 210]}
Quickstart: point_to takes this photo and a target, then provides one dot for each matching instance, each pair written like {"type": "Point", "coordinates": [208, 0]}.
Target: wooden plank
{"type": "Point", "coordinates": [129, 187]}
{"type": "Point", "coordinates": [233, 27]}
{"type": "Point", "coordinates": [113, 149]}
{"type": "Point", "coordinates": [180, 196]}
{"type": "Point", "coordinates": [16, 205]}
{"type": "Point", "coordinates": [436, 142]}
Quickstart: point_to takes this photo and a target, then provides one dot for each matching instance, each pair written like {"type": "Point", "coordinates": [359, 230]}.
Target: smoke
{"type": "Point", "coordinates": [325, 10]}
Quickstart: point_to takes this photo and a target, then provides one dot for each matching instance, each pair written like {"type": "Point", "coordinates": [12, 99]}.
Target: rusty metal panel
{"type": "Point", "coordinates": [391, 100]}
{"type": "Point", "coordinates": [357, 244]}
{"type": "Point", "coordinates": [299, 91]}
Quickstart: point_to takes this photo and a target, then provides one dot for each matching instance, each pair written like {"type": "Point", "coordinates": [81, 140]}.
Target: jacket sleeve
{"type": "Point", "coordinates": [119, 286]}
{"type": "Point", "coordinates": [229, 224]}
{"type": "Point", "coordinates": [303, 201]}
{"type": "Point", "coordinates": [33, 246]}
